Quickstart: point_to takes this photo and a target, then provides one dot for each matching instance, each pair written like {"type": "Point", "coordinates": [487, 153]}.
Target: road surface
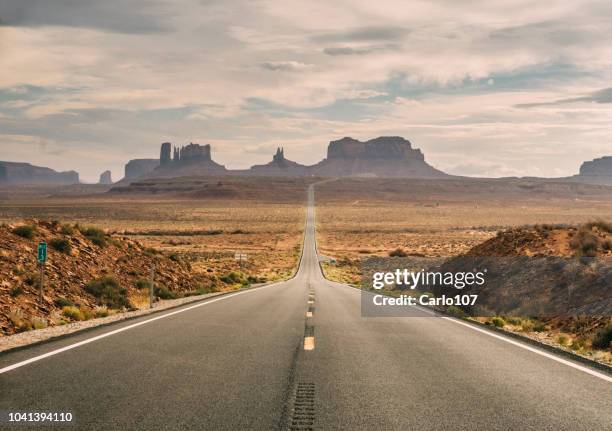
{"type": "Point", "coordinates": [254, 360]}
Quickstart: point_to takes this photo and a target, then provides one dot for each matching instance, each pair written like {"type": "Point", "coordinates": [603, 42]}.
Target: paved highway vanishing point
{"type": "Point", "coordinates": [298, 355]}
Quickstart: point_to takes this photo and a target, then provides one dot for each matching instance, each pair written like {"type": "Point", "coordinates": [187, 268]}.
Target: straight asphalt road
{"type": "Point", "coordinates": [298, 355]}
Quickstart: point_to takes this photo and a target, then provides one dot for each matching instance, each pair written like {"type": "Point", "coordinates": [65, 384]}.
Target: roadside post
{"type": "Point", "coordinates": [152, 287]}
{"type": "Point", "coordinates": [240, 257]}
{"type": "Point", "coordinates": [42, 258]}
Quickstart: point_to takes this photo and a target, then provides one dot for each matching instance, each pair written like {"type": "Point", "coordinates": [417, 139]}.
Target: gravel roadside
{"type": "Point", "coordinates": [36, 336]}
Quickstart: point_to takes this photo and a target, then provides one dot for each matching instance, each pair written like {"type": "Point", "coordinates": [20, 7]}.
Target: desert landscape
{"type": "Point", "coordinates": [234, 215]}
{"type": "Point", "coordinates": [193, 243]}
{"type": "Point", "coordinates": [362, 218]}
{"type": "Point", "coordinates": [208, 229]}
{"type": "Point", "coordinates": [193, 227]}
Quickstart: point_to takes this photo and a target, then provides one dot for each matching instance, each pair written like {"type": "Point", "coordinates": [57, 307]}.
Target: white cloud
{"type": "Point", "coordinates": [284, 66]}
{"type": "Point", "coordinates": [446, 75]}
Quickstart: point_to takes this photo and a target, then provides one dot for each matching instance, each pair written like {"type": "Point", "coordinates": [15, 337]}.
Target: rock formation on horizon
{"type": "Point", "coordinates": [601, 166]}
{"type": "Point", "coordinates": [386, 156]}
{"type": "Point", "coordinates": [165, 154]}
{"type": "Point", "coordinates": [279, 157]}
{"type": "Point", "coordinates": [189, 160]}
{"type": "Point", "coordinates": [279, 166]}
{"type": "Point", "coordinates": [25, 173]}
{"type": "Point", "coordinates": [106, 178]}
{"type": "Point", "coordinates": [596, 171]}
{"type": "Point", "coordinates": [137, 168]}
{"type": "Point", "coordinates": [392, 147]}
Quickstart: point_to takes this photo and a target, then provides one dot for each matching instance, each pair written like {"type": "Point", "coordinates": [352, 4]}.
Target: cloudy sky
{"type": "Point", "coordinates": [491, 88]}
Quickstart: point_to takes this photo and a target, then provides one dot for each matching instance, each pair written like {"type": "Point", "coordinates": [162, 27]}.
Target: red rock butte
{"type": "Point", "coordinates": [391, 156]}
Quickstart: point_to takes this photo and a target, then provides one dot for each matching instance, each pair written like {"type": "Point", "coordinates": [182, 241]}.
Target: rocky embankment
{"type": "Point", "coordinates": [88, 274]}
{"type": "Point", "coordinates": [552, 283]}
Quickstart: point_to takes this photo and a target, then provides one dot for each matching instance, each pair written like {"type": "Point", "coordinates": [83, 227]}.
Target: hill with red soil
{"type": "Point", "coordinates": [88, 274]}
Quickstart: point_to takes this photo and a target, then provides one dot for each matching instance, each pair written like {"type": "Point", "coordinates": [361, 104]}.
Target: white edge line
{"type": "Point", "coordinates": [532, 349]}
{"type": "Point", "coordinates": [540, 352]}
{"type": "Point", "coordinates": [125, 328]}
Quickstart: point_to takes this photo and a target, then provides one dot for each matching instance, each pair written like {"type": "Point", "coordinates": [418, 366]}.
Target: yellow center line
{"type": "Point", "coordinates": [309, 343]}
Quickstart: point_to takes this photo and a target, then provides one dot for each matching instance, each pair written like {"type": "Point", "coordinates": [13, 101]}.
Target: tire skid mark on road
{"type": "Point", "coordinates": [299, 410]}
{"type": "Point", "coordinates": [303, 410]}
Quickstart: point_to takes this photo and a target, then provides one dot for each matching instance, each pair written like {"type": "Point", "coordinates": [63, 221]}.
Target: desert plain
{"type": "Point", "coordinates": [204, 223]}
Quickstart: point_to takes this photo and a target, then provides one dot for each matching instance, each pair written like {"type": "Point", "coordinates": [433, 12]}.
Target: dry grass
{"type": "Point", "coordinates": [269, 233]}
{"type": "Point", "coordinates": [443, 230]}
{"type": "Point", "coordinates": [351, 230]}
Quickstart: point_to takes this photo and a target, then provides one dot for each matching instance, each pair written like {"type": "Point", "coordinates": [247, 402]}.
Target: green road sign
{"type": "Point", "coordinates": [42, 252]}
